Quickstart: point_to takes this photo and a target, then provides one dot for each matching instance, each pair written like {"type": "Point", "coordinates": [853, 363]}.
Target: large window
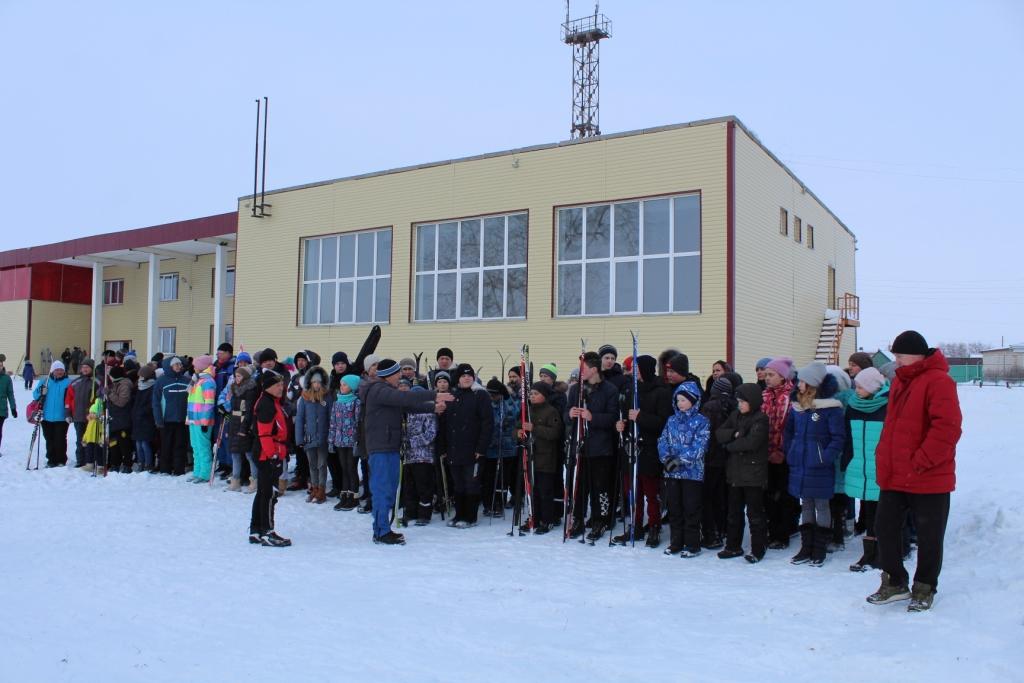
{"type": "Point", "coordinates": [113, 292]}
{"type": "Point", "coordinates": [630, 257]}
{"type": "Point", "coordinates": [471, 269]}
{"type": "Point", "coordinates": [168, 339]}
{"type": "Point", "coordinates": [347, 278]}
{"type": "Point", "coordinates": [169, 287]}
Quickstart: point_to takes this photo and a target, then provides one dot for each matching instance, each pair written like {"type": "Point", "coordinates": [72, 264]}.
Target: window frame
{"type": "Point", "coordinates": [213, 282]}
{"type": "Point", "coordinates": [177, 285]}
{"type": "Point", "coordinates": [798, 230]}
{"type": "Point", "coordinates": [810, 236]}
{"type": "Point", "coordinates": [783, 222]}
{"type": "Point", "coordinates": [174, 340]}
{"type": "Point", "coordinates": [107, 287]}
{"type": "Point", "coordinates": [302, 282]}
{"type": "Point", "coordinates": [481, 269]}
{"type": "Point", "coordinates": [671, 255]}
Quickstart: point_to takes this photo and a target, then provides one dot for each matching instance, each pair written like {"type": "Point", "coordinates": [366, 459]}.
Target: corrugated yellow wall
{"type": "Point", "coordinates": [664, 162]}
{"type": "Point", "coordinates": [14, 332]}
{"type": "Point", "coordinates": [781, 285]}
{"type": "Point", "coordinates": [58, 325]}
{"type": "Point", "coordinates": [191, 314]}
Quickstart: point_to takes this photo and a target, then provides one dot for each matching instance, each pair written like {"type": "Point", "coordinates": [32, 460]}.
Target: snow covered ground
{"type": "Point", "coordinates": [140, 577]}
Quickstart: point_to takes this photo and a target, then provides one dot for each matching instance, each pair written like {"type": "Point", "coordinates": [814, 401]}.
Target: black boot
{"type": "Point", "coordinates": [597, 531]}
{"type": "Point", "coordinates": [806, 544]}
{"type": "Point", "coordinates": [654, 537]}
{"type": "Point", "coordinates": [819, 550]}
{"type": "Point", "coordinates": [868, 559]}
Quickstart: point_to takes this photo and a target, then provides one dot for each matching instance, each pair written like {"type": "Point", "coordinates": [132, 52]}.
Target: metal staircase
{"type": "Point", "coordinates": [830, 340]}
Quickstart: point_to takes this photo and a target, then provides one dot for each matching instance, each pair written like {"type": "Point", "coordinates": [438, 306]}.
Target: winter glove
{"type": "Point", "coordinates": [673, 464]}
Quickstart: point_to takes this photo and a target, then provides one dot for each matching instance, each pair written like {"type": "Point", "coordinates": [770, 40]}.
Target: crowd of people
{"type": "Point", "coordinates": [796, 454]}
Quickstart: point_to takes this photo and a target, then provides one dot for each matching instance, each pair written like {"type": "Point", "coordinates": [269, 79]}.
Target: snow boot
{"type": "Point", "coordinates": [390, 538]}
{"type": "Point", "coordinates": [597, 532]}
{"type": "Point", "coordinates": [712, 542]}
{"type": "Point", "coordinates": [272, 540]}
{"type": "Point", "coordinates": [689, 552]}
{"type": "Point", "coordinates": [311, 494]}
{"type": "Point", "coordinates": [252, 485]}
{"type": "Point", "coordinates": [806, 545]}
{"type": "Point", "coordinates": [298, 484]}
{"type": "Point", "coordinates": [321, 495]}
{"type": "Point", "coordinates": [921, 597]}
{"type": "Point", "coordinates": [868, 559]}
{"type": "Point", "coordinates": [333, 493]}
{"type": "Point", "coordinates": [819, 551]}
{"type": "Point", "coordinates": [653, 537]}
{"type": "Point", "coordinates": [887, 592]}
{"type": "Point", "coordinates": [729, 553]}
{"type": "Point", "coordinates": [233, 485]}
{"type": "Point", "coordinates": [754, 558]}
{"type": "Point", "coordinates": [541, 528]}
{"type": "Point", "coordinates": [282, 485]}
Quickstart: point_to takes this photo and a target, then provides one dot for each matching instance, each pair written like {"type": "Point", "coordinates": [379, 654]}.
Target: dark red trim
{"type": "Point", "coordinates": [181, 231]}
{"type": "Point", "coordinates": [28, 334]}
{"type": "Point", "coordinates": [730, 241]}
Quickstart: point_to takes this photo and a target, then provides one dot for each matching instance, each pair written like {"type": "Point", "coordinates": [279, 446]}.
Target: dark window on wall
{"type": "Point", "coordinates": [471, 269]}
{"type": "Point", "coordinates": [168, 337]}
{"type": "Point", "coordinates": [798, 229]}
{"type": "Point", "coordinates": [783, 222]}
{"type": "Point", "coordinates": [113, 292]}
{"type": "Point", "coordinates": [629, 258]}
{"type": "Point", "coordinates": [229, 282]}
{"type": "Point", "coordinates": [229, 337]}
{"type": "Point", "coordinates": [169, 287]}
{"type": "Point", "coordinates": [810, 236]}
{"type": "Point", "coordinates": [346, 278]}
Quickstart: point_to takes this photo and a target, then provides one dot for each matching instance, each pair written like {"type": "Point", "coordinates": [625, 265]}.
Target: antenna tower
{"type": "Point", "coordinates": [585, 36]}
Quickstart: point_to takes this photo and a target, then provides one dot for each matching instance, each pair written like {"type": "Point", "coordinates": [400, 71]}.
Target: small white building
{"type": "Point", "coordinates": [1004, 363]}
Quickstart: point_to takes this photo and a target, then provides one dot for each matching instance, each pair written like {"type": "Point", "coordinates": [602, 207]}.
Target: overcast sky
{"type": "Point", "coordinates": [904, 117]}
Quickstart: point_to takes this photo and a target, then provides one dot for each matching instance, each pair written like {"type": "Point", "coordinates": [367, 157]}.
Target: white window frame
{"type": "Point", "coordinates": [229, 279]}
{"type": "Point", "coordinates": [109, 287]}
{"type": "Point", "coordinates": [169, 277]}
{"type": "Point", "coordinates": [165, 335]}
{"type": "Point", "coordinates": [354, 279]}
{"type": "Point", "coordinates": [479, 270]}
{"type": "Point", "coordinates": [639, 258]}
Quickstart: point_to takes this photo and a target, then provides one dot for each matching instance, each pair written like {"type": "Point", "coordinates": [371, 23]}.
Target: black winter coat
{"type": "Point", "coordinates": [602, 400]}
{"type": "Point", "coordinates": [119, 405]}
{"type": "Point", "coordinates": [239, 430]}
{"type": "Point", "coordinates": [468, 423]}
{"type": "Point", "coordinates": [748, 453]}
{"type": "Point", "coordinates": [547, 437]}
{"type": "Point", "coordinates": [655, 404]}
{"type": "Point", "coordinates": [717, 411]}
{"type": "Point", "coordinates": [143, 424]}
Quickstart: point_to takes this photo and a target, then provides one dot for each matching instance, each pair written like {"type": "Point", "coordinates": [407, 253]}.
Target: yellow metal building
{"type": "Point", "coordinates": [693, 235]}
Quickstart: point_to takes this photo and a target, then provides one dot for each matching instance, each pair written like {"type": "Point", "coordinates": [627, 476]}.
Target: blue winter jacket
{"type": "Point", "coordinates": [685, 436]}
{"type": "Point", "coordinates": [312, 422]}
{"type": "Point", "coordinates": [506, 422]}
{"type": "Point", "coordinates": [813, 440]}
{"type": "Point", "coordinates": [170, 396]}
{"type": "Point", "coordinates": [53, 406]}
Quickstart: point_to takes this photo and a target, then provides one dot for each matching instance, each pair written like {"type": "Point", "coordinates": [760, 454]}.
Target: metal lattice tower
{"type": "Point", "coordinates": [585, 35]}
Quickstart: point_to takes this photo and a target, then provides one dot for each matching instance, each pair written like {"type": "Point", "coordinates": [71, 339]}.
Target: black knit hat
{"type": "Point", "coordinates": [680, 363]}
{"type": "Point", "coordinates": [542, 388]}
{"type": "Point", "coordinates": [861, 360]}
{"type": "Point", "coordinates": [608, 348]}
{"type": "Point", "coordinates": [910, 343]}
{"type": "Point", "coordinates": [515, 369]}
{"type": "Point", "coordinates": [226, 347]}
{"type": "Point", "coordinates": [268, 354]}
{"type": "Point", "coordinates": [444, 351]}
{"type": "Point", "coordinates": [302, 355]}
{"type": "Point", "coordinates": [267, 379]}
{"type": "Point", "coordinates": [340, 357]}
{"type": "Point", "coordinates": [751, 393]}
{"type": "Point", "coordinates": [463, 369]}
{"type": "Point", "coordinates": [442, 374]}
{"type": "Point", "coordinates": [722, 386]}
{"type": "Point", "coordinates": [495, 386]}
{"type": "Point", "coordinates": [387, 367]}
{"type": "Point", "coordinates": [646, 366]}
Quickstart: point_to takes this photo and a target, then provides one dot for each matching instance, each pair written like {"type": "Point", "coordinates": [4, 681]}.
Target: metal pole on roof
{"type": "Point", "coordinates": [263, 191]}
{"type": "Point", "coordinates": [256, 160]}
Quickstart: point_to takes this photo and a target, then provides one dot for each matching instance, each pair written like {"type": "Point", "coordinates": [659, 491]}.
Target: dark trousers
{"type": "Point", "coordinates": [751, 497]}
{"type": "Point", "coordinates": [648, 489]}
{"type": "Point", "coordinates": [2, 420]}
{"type": "Point", "coordinates": [597, 475]}
{"type": "Point", "coordinates": [120, 451]}
{"type": "Point", "coordinates": [79, 447]}
{"type": "Point", "coordinates": [781, 509]}
{"type": "Point", "coordinates": [683, 497]}
{"type": "Point", "coordinates": [498, 477]}
{"type": "Point", "coordinates": [418, 490]}
{"type": "Point", "coordinates": [466, 484]}
{"type": "Point", "coordinates": [56, 436]}
{"type": "Point", "coordinates": [364, 468]}
{"type": "Point", "coordinates": [173, 444]}
{"type": "Point", "coordinates": [334, 468]}
{"type": "Point", "coordinates": [348, 466]}
{"type": "Point", "coordinates": [868, 511]}
{"type": "Point", "coordinates": [262, 521]}
{"type": "Point", "coordinates": [546, 509]}
{"type": "Point", "coordinates": [301, 464]}
{"type": "Point", "coordinates": [714, 503]}
{"type": "Point", "coordinates": [931, 511]}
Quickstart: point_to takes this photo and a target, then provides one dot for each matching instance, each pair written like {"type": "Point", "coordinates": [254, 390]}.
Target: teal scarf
{"type": "Point", "coordinates": [870, 405]}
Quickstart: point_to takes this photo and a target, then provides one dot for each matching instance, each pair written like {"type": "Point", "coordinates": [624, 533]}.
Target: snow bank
{"type": "Point", "coordinates": [140, 577]}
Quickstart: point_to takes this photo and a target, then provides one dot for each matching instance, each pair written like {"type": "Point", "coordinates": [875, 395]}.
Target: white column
{"type": "Point", "coordinates": [96, 336]}
{"type": "Point", "coordinates": [153, 308]}
{"type": "Point", "coordinates": [219, 271]}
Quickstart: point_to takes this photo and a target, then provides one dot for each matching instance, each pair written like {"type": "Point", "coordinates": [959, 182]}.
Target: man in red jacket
{"type": "Point", "coordinates": [916, 469]}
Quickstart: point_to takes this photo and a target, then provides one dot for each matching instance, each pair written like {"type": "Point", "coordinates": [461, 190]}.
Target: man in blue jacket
{"type": "Point", "coordinates": [170, 407]}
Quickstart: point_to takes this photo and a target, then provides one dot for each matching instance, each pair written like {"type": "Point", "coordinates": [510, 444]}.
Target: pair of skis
{"type": "Point", "coordinates": [632, 449]}
{"type": "Point", "coordinates": [524, 484]}
{"type": "Point", "coordinates": [574, 462]}
{"type": "Point", "coordinates": [35, 443]}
